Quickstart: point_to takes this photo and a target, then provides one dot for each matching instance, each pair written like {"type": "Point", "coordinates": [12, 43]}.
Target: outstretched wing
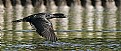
{"type": "Point", "coordinates": [45, 29]}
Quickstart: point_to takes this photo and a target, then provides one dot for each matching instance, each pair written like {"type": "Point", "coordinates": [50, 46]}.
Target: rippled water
{"type": "Point", "coordinates": [70, 44]}
{"type": "Point", "coordinates": [33, 42]}
{"type": "Point", "coordinates": [82, 30]}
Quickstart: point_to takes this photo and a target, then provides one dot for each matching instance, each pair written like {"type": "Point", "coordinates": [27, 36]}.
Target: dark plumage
{"type": "Point", "coordinates": [42, 24]}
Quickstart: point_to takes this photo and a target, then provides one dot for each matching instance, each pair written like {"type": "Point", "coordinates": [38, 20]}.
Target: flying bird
{"type": "Point", "coordinates": [42, 25]}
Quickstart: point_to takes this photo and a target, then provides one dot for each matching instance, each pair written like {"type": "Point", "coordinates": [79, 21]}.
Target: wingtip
{"type": "Point", "coordinates": [53, 38]}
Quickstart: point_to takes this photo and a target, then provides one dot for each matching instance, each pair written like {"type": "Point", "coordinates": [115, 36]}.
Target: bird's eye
{"type": "Point", "coordinates": [48, 15]}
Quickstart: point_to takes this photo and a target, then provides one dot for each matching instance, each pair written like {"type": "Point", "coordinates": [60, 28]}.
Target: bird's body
{"type": "Point", "coordinates": [42, 24]}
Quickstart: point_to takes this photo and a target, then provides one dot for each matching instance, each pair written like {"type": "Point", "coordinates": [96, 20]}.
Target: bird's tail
{"type": "Point", "coordinates": [20, 20]}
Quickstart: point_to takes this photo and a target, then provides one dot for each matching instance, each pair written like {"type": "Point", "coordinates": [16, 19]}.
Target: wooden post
{"type": "Point", "coordinates": [118, 21]}
{"type": "Point", "coordinates": [110, 21]}
{"type": "Point", "coordinates": [28, 10]}
{"type": "Point", "coordinates": [1, 15]}
{"type": "Point", "coordinates": [62, 24]}
{"type": "Point", "coordinates": [1, 19]}
{"type": "Point", "coordinates": [98, 5]}
{"type": "Point", "coordinates": [8, 15]}
{"type": "Point", "coordinates": [98, 19]}
{"type": "Point", "coordinates": [88, 17]}
{"type": "Point", "coordinates": [109, 4]}
{"type": "Point", "coordinates": [39, 6]}
{"type": "Point", "coordinates": [51, 8]}
{"type": "Point", "coordinates": [75, 18]}
{"type": "Point", "coordinates": [8, 20]}
{"type": "Point", "coordinates": [88, 5]}
{"type": "Point", "coordinates": [18, 15]}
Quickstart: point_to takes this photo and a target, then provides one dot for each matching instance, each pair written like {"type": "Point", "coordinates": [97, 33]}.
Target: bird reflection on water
{"type": "Point", "coordinates": [42, 25]}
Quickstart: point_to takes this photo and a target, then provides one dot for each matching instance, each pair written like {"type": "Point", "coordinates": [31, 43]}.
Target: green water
{"type": "Point", "coordinates": [33, 42]}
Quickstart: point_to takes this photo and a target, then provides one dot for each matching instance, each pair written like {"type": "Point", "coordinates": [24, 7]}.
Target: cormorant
{"type": "Point", "coordinates": [42, 25]}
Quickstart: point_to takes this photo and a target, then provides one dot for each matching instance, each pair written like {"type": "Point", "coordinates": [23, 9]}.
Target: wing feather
{"type": "Point", "coordinates": [45, 29]}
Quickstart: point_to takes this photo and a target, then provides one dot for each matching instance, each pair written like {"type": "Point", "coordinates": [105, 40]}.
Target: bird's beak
{"type": "Point", "coordinates": [58, 15]}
